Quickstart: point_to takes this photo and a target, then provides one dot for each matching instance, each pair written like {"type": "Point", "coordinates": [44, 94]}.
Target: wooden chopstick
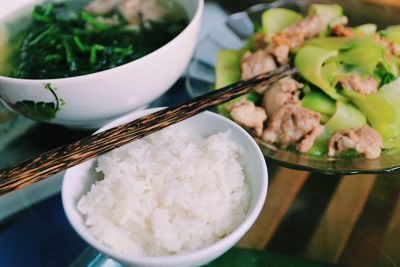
{"type": "Point", "coordinates": [33, 170]}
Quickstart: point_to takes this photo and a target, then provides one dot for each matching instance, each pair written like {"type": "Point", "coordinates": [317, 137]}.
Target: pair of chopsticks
{"type": "Point", "coordinates": [33, 170]}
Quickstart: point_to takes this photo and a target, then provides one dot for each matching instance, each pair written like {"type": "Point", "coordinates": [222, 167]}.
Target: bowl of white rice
{"type": "Point", "coordinates": [179, 197]}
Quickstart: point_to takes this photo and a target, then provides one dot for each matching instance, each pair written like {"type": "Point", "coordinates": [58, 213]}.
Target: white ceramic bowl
{"type": "Point", "coordinates": [94, 99]}
{"type": "Point", "coordinates": [77, 182]}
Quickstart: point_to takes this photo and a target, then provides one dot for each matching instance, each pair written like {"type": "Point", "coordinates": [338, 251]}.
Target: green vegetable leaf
{"type": "Point", "coordinates": [367, 29]}
{"type": "Point", "coordinates": [275, 20]}
{"type": "Point", "coordinates": [42, 13]}
{"type": "Point", "coordinates": [254, 97]}
{"type": "Point", "coordinates": [347, 116]}
{"type": "Point", "coordinates": [330, 43]}
{"type": "Point", "coordinates": [331, 11]}
{"type": "Point", "coordinates": [227, 68]}
{"type": "Point", "coordinates": [364, 53]}
{"type": "Point", "coordinates": [392, 33]}
{"type": "Point", "coordinates": [391, 94]}
{"type": "Point", "coordinates": [227, 71]}
{"type": "Point", "coordinates": [380, 114]}
{"type": "Point", "coordinates": [91, 20]}
{"type": "Point", "coordinates": [309, 61]}
{"type": "Point", "coordinates": [65, 41]}
{"type": "Point", "coordinates": [384, 76]}
{"type": "Point", "coordinates": [319, 102]}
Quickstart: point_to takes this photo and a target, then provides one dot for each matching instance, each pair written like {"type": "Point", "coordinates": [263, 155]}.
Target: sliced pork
{"type": "Point", "coordinates": [136, 11]}
{"type": "Point", "coordinates": [280, 93]}
{"type": "Point", "coordinates": [363, 86]}
{"type": "Point", "coordinates": [256, 63]}
{"type": "Point", "coordinates": [294, 36]}
{"type": "Point", "coordinates": [365, 140]}
{"type": "Point", "coordinates": [341, 30]}
{"type": "Point", "coordinates": [391, 46]}
{"type": "Point", "coordinates": [100, 7]}
{"type": "Point", "coordinates": [293, 124]}
{"type": "Point", "coordinates": [246, 113]}
{"type": "Point", "coordinates": [280, 52]}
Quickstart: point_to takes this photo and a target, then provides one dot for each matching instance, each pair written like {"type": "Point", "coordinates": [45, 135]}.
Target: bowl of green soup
{"type": "Point", "coordinates": [83, 63]}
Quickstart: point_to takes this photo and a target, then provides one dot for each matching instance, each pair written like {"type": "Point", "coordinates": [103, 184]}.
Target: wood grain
{"type": "Point", "coordinates": [340, 217]}
{"type": "Point", "coordinates": [281, 194]}
{"type": "Point", "coordinates": [391, 240]}
{"type": "Point", "coordinates": [365, 245]}
{"type": "Point", "coordinates": [393, 3]}
{"type": "Point", "coordinates": [56, 160]}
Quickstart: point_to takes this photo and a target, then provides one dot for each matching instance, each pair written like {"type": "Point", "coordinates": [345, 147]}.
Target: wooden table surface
{"type": "Point", "coordinates": [235, 6]}
{"type": "Point", "coordinates": [394, 3]}
{"type": "Point", "coordinates": [349, 220]}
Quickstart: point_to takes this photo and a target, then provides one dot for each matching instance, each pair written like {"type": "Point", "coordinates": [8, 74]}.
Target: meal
{"type": "Point", "coordinates": [168, 193]}
{"type": "Point", "coordinates": [68, 39]}
{"type": "Point", "coordinates": [345, 100]}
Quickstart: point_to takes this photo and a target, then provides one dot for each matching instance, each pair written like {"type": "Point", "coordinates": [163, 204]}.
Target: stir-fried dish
{"type": "Point", "coordinates": [69, 39]}
{"type": "Point", "coordinates": [345, 101]}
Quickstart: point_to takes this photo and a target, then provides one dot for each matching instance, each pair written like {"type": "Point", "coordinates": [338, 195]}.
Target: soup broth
{"type": "Point", "coordinates": [76, 38]}
{"type": "Point", "coordinates": [5, 66]}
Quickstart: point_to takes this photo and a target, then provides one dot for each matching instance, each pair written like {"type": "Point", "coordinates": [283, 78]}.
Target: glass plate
{"type": "Point", "coordinates": [232, 35]}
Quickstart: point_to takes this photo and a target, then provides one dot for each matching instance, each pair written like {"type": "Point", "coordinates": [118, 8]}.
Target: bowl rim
{"type": "Point", "coordinates": [199, 254]}
{"type": "Point", "coordinates": [196, 17]}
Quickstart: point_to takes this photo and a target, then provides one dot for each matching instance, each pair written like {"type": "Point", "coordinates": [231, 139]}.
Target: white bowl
{"type": "Point", "coordinates": [77, 182]}
{"type": "Point", "coordinates": [94, 99]}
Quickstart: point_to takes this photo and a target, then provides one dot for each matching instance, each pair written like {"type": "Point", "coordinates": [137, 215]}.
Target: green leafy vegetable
{"type": "Point", "coordinates": [363, 53]}
{"type": "Point", "coordinates": [227, 71]}
{"type": "Point", "coordinates": [384, 76]}
{"type": "Point", "coordinates": [330, 43]}
{"type": "Point", "coordinates": [391, 94]}
{"type": "Point", "coordinates": [392, 33]}
{"type": "Point", "coordinates": [323, 61]}
{"type": "Point", "coordinates": [309, 61]}
{"type": "Point", "coordinates": [227, 68]}
{"type": "Point", "coordinates": [367, 29]}
{"type": "Point", "coordinates": [64, 41]}
{"type": "Point", "coordinates": [274, 20]}
{"type": "Point", "coordinates": [319, 102]}
{"type": "Point", "coordinates": [379, 112]}
{"type": "Point", "coordinates": [347, 116]}
{"type": "Point", "coordinates": [331, 11]}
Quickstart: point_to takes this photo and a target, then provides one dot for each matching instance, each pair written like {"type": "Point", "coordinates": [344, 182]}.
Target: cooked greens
{"type": "Point", "coordinates": [65, 41]}
{"type": "Point", "coordinates": [324, 67]}
{"type": "Point", "coordinates": [349, 80]}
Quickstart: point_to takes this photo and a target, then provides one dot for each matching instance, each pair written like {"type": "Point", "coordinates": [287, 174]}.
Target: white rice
{"type": "Point", "coordinates": [168, 193]}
